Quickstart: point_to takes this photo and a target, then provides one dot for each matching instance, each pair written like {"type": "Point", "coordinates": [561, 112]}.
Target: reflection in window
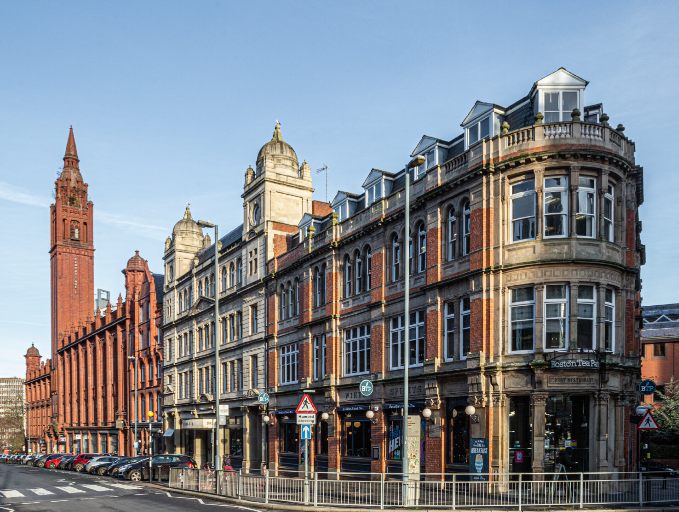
{"type": "Point", "coordinates": [586, 317]}
{"type": "Point", "coordinates": [585, 224]}
{"type": "Point", "coordinates": [522, 317]}
{"type": "Point", "coordinates": [559, 105]}
{"type": "Point", "coordinates": [523, 210]}
{"type": "Point", "coordinates": [609, 319]}
{"type": "Point", "coordinates": [608, 214]}
{"type": "Point", "coordinates": [556, 206]}
{"type": "Point", "coordinates": [556, 316]}
{"type": "Point", "coordinates": [357, 437]}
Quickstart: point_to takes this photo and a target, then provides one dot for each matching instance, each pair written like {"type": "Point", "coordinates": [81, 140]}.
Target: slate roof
{"type": "Point", "coordinates": [159, 281]}
{"type": "Point", "coordinates": [660, 322]}
{"type": "Point", "coordinates": [227, 240]}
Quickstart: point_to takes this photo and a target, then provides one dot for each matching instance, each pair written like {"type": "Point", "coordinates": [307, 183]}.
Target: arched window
{"type": "Point", "coordinates": [282, 303]}
{"type": "Point", "coordinates": [466, 228]}
{"type": "Point", "coordinates": [291, 300]}
{"type": "Point", "coordinates": [358, 272]}
{"type": "Point", "coordinates": [181, 301]}
{"type": "Point", "coordinates": [395, 258]}
{"type": "Point", "coordinates": [212, 285]}
{"type": "Point", "coordinates": [239, 271]}
{"type": "Point", "coordinates": [316, 289]}
{"type": "Point", "coordinates": [75, 230]}
{"type": "Point", "coordinates": [347, 277]}
{"type": "Point", "coordinates": [322, 285]}
{"type": "Point", "coordinates": [223, 275]}
{"type": "Point", "coordinates": [206, 286]}
{"type": "Point", "coordinates": [421, 248]}
{"type": "Point", "coordinates": [232, 274]}
{"type": "Point", "coordinates": [200, 287]}
{"type": "Point", "coordinates": [367, 256]}
{"type": "Point", "coordinates": [451, 234]}
{"type": "Point", "coordinates": [296, 289]}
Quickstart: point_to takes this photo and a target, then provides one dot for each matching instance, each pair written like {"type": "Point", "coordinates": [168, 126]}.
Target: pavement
{"type": "Point", "coordinates": [24, 488]}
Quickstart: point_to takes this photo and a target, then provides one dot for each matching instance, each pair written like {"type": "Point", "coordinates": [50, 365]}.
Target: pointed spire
{"type": "Point", "coordinates": [277, 136]}
{"type": "Point", "coordinates": [71, 154]}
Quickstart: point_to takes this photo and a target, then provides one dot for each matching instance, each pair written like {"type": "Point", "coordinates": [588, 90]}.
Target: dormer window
{"type": "Point", "coordinates": [558, 105]}
{"type": "Point", "coordinates": [373, 192]}
{"type": "Point", "coordinates": [479, 130]}
{"type": "Point", "coordinates": [342, 211]}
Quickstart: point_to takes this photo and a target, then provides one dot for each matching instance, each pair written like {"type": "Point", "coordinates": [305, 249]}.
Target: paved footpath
{"type": "Point", "coordinates": [25, 488]}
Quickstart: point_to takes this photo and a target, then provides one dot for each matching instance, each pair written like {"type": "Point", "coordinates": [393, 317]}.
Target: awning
{"type": "Point", "coordinates": [168, 433]}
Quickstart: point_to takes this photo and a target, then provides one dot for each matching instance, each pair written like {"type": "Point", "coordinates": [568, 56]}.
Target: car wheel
{"type": "Point", "coordinates": [135, 475]}
{"type": "Point", "coordinates": [101, 471]}
{"type": "Point", "coordinates": [78, 467]}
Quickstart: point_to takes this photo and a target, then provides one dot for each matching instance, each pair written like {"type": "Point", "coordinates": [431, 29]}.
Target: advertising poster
{"type": "Point", "coordinates": [478, 458]}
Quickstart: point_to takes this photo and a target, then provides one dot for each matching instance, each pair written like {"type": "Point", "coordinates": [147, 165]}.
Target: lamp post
{"type": "Point", "coordinates": [150, 416]}
{"type": "Point", "coordinates": [136, 401]}
{"type": "Point", "coordinates": [415, 162]}
{"type": "Point", "coordinates": [216, 454]}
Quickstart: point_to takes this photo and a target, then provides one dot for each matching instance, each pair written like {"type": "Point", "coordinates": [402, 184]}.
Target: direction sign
{"type": "Point", "coordinates": [306, 432]}
{"type": "Point", "coordinates": [263, 398]}
{"type": "Point", "coordinates": [648, 422]}
{"type": "Point", "coordinates": [647, 387]}
{"type": "Point", "coordinates": [306, 405]}
{"type": "Point", "coordinates": [306, 419]}
{"type": "Point", "coordinates": [366, 387]}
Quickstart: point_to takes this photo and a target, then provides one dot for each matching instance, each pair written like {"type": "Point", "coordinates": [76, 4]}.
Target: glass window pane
{"type": "Point", "coordinates": [570, 101]}
{"type": "Point", "coordinates": [586, 292]}
{"type": "Point", "coordinates": [556, 291]}
{"type": "Point", "coordinates": [551, 101]}
{"type": "Point", "coordinates": [523, 206]}
{"type": "Point", "coordinates": [554, 202]}
{"type": "Point", "coordinates": [485, 127]}
{"type": "Point", "coordinates": [552, 117]}
{"type": "Point", "coordinates": [522, 294]}
{"type": "Point", "coordinates": [523, 186]}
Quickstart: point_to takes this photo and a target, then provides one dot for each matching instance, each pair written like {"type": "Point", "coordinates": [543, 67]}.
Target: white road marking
{"type": "Point", "coordinates": [11, 494]}
{"type": "Point", "coordinates": [40, 491]}
{"type": "Point", "coordinates": [71, 490]}
{"type": "Point", "coordinates": [126, 486]}
{"type": "Point", "coordinates": [94, 487]}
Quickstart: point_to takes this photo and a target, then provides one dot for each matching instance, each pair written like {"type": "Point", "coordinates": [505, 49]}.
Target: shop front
{"type": "Point", "coordinates": [355, 439]}
{"type": "Point", "coordinates": [197, 434]}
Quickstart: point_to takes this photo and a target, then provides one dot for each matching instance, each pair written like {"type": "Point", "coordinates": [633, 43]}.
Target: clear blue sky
{"type": "Point", "coordinates": [170, 102]}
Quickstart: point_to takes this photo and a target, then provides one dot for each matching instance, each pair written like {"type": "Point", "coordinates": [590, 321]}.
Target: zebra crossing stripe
{"type": "Point", "coordinates": [97, 488]}
{"type": "Point", "coordinates": [11, 494]}
{"type": "Point", "coordinates": [40, 491]}
{"type": "Point", "coordinates": [70, 490]}
{"type": "Point", "coordinates": [125, 486]}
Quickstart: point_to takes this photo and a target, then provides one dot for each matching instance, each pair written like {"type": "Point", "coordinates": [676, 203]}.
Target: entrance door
{"type": "Point", "coordinates": [567, 433]}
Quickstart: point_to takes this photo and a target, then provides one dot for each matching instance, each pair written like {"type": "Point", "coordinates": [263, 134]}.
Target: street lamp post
{"type": "Point", "coordinates": [136, 401]}
{"type": "Point", "coordinates": [216, 454]}
{"type": "Point", "coordinates": [415, 162]}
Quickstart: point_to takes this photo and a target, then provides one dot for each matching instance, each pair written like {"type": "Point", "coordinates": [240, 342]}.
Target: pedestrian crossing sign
{"type": "Point", "coordinates": [306, 405]}
{"type": "Point", "coordinates": [648, 422]}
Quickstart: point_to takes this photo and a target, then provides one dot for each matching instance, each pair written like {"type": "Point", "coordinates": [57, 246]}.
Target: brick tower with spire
{"type": "Point", "coordinates": [71, 249]}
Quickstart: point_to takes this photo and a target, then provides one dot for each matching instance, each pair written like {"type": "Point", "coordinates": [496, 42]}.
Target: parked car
{"type": "Point", "coordinates": [161, 465]}
{"type": "Point", "coordinates": [65, 462]}
{"type": "Point", "coordinates": [653, 469]}
{"type": "Point", "coordinates": [94, 463]}
{"type": "Point", "coordinates": [81, 460]}
{"type": "Point", "coordinates": [28, 459]}
{"type": "Point", "coordinates": [53, 462]}
{"type": "Point", "coordinates": [113, 469]}
{"type": "Point", "coordinates": [40, 461]}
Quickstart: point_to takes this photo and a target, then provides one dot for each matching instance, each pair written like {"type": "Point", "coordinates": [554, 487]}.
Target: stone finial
{"type": "Point", "coordinates": [249, 175]}
{"type": "Point", "coordinates": [168, 243]}
{"type": "Point", "coordinates": [539, 117]}
{"type": "Point", "coordinates": [505, 127]}
{"type": "Point", "coordinates": [187, 212]}
{"type": "Point", "coordinates": [575, 115]}
{"type": "Point", "coordinates": [277, 135]}
{"type": "Point", "coordinates": [304, 169]}
{"type": "Point", "coordinates": [604, 119]}
{"type": "Point", "coordinates": [620, 128]}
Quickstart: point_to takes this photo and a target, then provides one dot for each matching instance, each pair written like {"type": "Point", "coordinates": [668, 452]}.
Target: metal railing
{"type": "Point", "coordinates": [512, 491]}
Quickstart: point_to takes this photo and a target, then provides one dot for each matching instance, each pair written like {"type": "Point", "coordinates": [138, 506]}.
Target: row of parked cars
{"type": "Point", "coordinates": [127, 468]}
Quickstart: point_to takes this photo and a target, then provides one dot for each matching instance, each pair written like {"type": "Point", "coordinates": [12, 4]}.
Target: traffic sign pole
{"type": "Point", "coordinates": [306, 416]}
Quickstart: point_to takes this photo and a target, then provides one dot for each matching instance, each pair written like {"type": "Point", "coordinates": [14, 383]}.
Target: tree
{"type": "Point", "coordinates": [667, 412]}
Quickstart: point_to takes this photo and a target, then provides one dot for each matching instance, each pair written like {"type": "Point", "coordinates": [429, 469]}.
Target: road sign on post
{"type": "Point", "coordinates": [306, 405]}
{"type": "Point", "coordinates": [306, 432]}
{"type": "Point", "coordinates": [647, 387]}
{"type": "Point", "coordinates": [648, 422]}
{"type": "Point", "coordinates": [306, 416]}
{"type": "Point", "coordinates": [366, 387]}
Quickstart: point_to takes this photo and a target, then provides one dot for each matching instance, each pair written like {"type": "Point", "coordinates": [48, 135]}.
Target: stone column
{"type": "Point", "coordinates": [248, 437]}
{"type": "Point", "coordinates": [603, 428]}
{"type": "Point", "coordinates": [618, 431]}
{"type": "Point", "coordinates": [572, 199]}
{"type": "Point", "coordinates": [499, 438]}
{"type": "Point", "coordinates": [539, 402]}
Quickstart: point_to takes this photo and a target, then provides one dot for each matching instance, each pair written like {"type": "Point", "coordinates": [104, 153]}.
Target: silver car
{"type": "Point", "coordinates": [94, 462]}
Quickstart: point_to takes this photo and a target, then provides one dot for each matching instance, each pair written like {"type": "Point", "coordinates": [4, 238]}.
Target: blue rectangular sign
{"type": "Point", "coordinates": [306, 432]}
{"type": "Point", "coordinates": [478, 458]}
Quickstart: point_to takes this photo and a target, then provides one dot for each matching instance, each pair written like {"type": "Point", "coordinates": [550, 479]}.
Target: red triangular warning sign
{"type": "Point", "coordinates": [306, 405]}
{"type": "Point", "coordinates": [648, 422]}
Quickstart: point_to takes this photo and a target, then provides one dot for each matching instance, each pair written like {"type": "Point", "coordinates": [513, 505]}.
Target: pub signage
{"type": "Point", "coordinates": [574, 364]}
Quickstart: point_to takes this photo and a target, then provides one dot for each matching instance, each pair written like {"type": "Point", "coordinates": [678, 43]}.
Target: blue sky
{"type": "Point", "coordinates": [170, 102]}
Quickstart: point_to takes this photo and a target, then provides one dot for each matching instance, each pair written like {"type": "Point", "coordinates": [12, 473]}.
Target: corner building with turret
{"type": "Point", "coordinates": [525, 258]}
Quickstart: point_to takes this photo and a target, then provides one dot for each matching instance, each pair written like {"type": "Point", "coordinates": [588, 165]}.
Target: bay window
{"type": "Point", "coordinates": [586, 317]}
{"type": "Point", "coordinates": [357, 350]}
{"type": "Point", "coordinates": [559, 105]}
{"type": "Point", "coordinates": [522, 319]}
{"type": "Point", "coordinates": [523, 210]}
{"type": "Point", "coordinates": [555, 198]}
{"type": "Point", "coordinates": [288, 363]}
{"type": "Point", "coordinates": [609, 320]}
{"type": "Point", "coordinates": [556, 316]}
{"type": "Point", "coordinates": [609, 234]}
{"type": "Point", "coordinates": [585, 218]}
{"type": "Point", "coordinates": [465, 327]}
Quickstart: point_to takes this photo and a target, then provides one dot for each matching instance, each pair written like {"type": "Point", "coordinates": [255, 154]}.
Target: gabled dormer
{"type": "Point", "coordinates": [434, 151]}
{"type": "Point", "coordinates": [482, 122]}
{"type": "Point", "coordinates": [557, 94]}
{"type": "Point", "coordinates": [345, 204]}
{"type": "Point", "coordinates": [307, 222]}
{"type": "Point", "coordinates": [377, 185]}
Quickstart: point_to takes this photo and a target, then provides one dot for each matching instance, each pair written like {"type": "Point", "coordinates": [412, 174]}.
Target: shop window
{"type": "Point", "coordinates": [556, 316]}
{"type": "Point", "coordinates": [458, 436]}
{"type": "Point", "coordinates": [357, 438]}
{"type": "Point", "coordinates": [520, 435]}
{"type": "Point", "coordinates": [585, 218]}
{"type": "Point", "coordinates": [394, 439]}
{"type": "Point", "coordinates": [522, 318]}
{"type": "Point", "coordinates": [586, 317]}
{"type": "Point", "coordinates": [566, 433]}
{"type": "Point", "coordinates": [523, 210]}
{"type": "Point", "coordinates": [555, 198]}
{"type": "Point", "coordinates": [321, 433]}
{"type": "Point", "coordinates": [236, 442]}
{"type": "Point", "coordinates": [289, 437]}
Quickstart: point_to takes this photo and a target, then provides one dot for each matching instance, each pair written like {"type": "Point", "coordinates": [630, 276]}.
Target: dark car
{"type": "Point", "coordinates": [652, 469]}
{"type": "Point", "coordinates": [81, 461]}
{"type": "Point", "coordinates": [40, 461]}
{"type": "Point", "coordinates": [161, 465]}
{"type": "Point", "coordinates": [65, 462]}
{"type": "Point", "coordinates": [112, 469]}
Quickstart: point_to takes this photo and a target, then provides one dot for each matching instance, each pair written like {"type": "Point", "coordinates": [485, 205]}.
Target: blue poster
{"type": "Point", "coordinates": [478, 458]}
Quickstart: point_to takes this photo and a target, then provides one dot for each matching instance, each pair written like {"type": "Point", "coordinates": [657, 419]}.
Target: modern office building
{"type": "Point", "coordinates": [12, 414]}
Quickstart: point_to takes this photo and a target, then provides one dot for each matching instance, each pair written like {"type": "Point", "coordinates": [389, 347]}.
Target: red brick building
{"type": "Point", "coordinates": [524, 306]}
{"type": "Point", "coordinates": [660, 344]}
{"type": "Point", "coordinates": [83, 398]}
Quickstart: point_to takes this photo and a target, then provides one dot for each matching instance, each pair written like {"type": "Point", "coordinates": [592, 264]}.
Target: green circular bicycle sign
{"type": "Point", "coordinates": [366, 387]}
